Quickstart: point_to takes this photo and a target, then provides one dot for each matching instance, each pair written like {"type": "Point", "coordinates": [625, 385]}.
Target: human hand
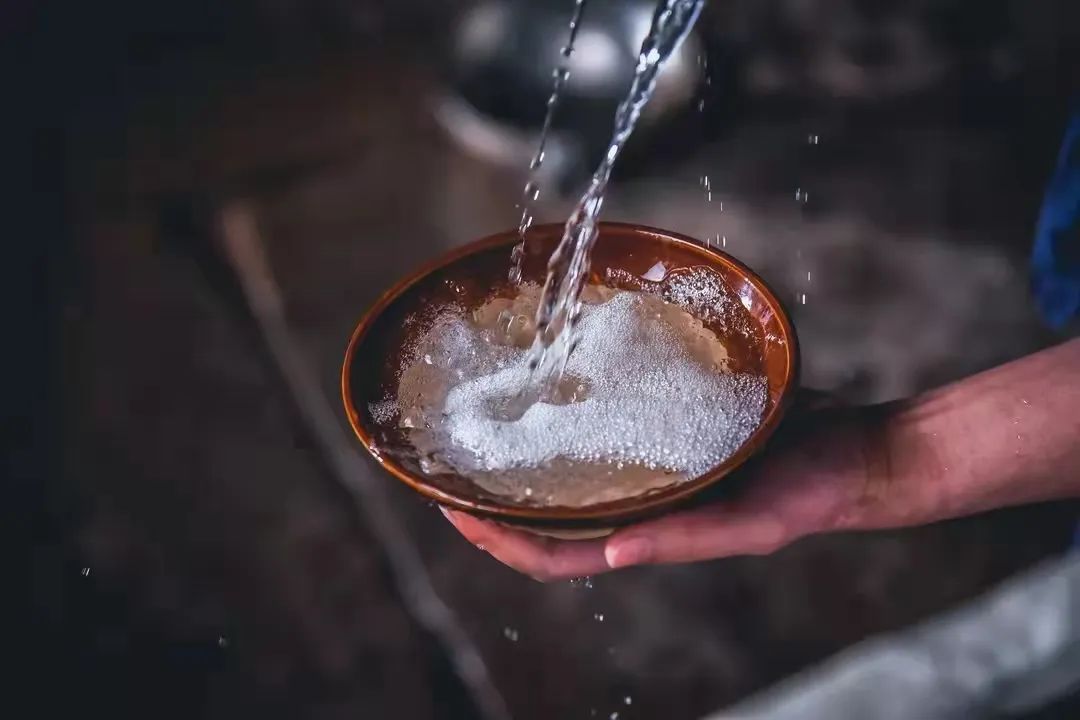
{"type": "Point", "coordinates": [823, 474]}
{"type": "Point", "coordinates": [1003, 437]}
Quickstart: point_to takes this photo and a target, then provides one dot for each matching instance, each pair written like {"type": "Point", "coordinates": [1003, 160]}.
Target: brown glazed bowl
{"type": "Point", "coordinates": [469, 276]}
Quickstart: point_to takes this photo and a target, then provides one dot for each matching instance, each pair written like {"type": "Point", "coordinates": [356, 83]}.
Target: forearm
{"type": "Point", "coordinates": [1008, 436]}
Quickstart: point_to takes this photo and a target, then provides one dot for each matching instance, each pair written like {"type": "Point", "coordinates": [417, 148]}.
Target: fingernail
{"type": "Point", "coordinates": [628, 552]}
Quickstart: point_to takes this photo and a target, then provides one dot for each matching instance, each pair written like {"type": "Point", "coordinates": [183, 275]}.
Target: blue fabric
{"type": "Point", "coordinates": [1055, 260]}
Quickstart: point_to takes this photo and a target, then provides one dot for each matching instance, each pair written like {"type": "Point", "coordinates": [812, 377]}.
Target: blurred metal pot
{"type": "Point", "coordinates": [500, 78]}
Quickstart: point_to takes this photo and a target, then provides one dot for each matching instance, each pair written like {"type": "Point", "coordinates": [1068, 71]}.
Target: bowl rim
{"type": "Point", "coordinates": [616, 511]}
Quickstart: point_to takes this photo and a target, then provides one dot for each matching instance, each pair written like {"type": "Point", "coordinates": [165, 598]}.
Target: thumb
{"type": "Point", "coordinates": [702, 534]}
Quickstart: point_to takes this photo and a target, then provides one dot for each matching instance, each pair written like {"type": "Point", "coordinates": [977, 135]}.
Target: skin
{"type": "Point", "coordinates": [1005, 437]}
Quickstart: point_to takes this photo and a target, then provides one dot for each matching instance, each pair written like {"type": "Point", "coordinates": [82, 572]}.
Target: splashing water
{"type": "Point", "coordinates": [532, 187]}
{"type": "Point", "coordinates": [560, 305]}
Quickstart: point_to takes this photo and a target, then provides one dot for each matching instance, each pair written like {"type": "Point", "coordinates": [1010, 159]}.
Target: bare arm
{"type": "Point", "coordinates": [1004, 437]}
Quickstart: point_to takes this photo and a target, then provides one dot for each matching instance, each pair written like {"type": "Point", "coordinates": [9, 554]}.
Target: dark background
{"type": "Point", "coordinates": [175, 544]}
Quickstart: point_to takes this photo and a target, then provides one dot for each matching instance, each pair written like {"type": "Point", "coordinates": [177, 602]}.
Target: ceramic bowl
{"type": "Point", "coordinates": [472, 274]}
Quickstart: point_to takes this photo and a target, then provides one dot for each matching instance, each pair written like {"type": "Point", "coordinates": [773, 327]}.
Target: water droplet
{"type": "Point", "coordinates": [813, 139]}
{"type": "Point", "coordinates": [428, 360]}
{"type": "Point", "coordinates": [614, 715]}
{"type": "Point", "coordinates": [804, 298]}
{"type": "Point", "coordinates": [86, 572]}
{"type": "Point", "coordinates": [510, 634]}
{"type": "Point", "coordinates": [222, 642]}
{"type": "Point", "coordinates": [528, 492]}
{"type": "Point", "coordinates": [599, 617]}
{"type": "Point", "coordinates": [802, 196]}
{"type": "Point", "coordinates": [628, 700]}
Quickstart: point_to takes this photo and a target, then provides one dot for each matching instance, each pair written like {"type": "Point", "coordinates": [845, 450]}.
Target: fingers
{"type": "Point", "coordinates": [543, 559]}
{"type": "Point", "coordinates": [704, 534]}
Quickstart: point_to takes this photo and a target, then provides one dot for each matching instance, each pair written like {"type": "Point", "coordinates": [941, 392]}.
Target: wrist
{"type": "Point", "coordinates": [901, 479]}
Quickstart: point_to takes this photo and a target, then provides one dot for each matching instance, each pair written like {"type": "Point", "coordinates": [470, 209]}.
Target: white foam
{"type": "Point", "coordinates": [701, 291]}
{"type": "Point", "coordinates": [648, 383]}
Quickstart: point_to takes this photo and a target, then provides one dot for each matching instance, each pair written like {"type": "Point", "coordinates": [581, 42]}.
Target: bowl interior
{"type": "Point", "coordinates": [474, 273]}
